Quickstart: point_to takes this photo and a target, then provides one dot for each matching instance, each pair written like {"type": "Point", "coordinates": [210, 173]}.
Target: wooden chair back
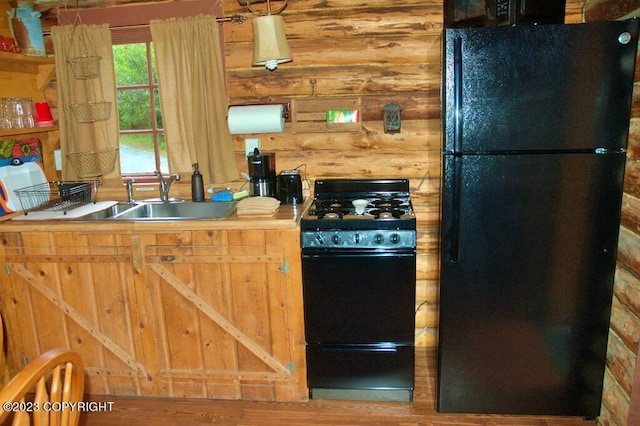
{"type": "Point", "coordinates": [57, 379]}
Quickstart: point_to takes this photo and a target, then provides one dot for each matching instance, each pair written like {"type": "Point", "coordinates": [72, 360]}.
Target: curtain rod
{"type": "Point", "coordinates": [235, 19]}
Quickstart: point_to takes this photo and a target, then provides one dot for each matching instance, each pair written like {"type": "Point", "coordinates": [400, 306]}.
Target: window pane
{"type": "Point", "coordinates": [130, 62]}
{"type": "Point", "coordinates": [134, 109]}
{"type": "Point", "coordinates": [137, 154]}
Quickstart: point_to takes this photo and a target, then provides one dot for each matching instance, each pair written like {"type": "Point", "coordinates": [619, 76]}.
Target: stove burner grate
{"type": "Point", "coordinates": [386, 213]}
{"type": "Point", "coordinates": [330, 213]}
{"type": "Point", "coordinates": [386, 203]}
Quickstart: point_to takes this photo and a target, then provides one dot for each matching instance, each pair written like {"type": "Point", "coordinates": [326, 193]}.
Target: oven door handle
{"type": "Point", "coordinates": [361, 347]}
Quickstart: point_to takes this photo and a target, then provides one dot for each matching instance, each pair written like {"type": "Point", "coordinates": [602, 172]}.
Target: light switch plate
{"type": "Point", "coordinates": [57, 159]}
{"type": "Point", "coordinates": [250, 145]}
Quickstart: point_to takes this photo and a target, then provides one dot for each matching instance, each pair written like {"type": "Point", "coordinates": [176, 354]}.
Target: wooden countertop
{"type": "Point", "coordinates": [285, 217]}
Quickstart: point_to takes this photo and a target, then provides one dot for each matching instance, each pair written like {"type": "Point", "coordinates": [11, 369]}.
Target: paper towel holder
{"type": "Point", "coordinates": [286, 108]}
{"type": "Point", "coordinates": [241, 118]}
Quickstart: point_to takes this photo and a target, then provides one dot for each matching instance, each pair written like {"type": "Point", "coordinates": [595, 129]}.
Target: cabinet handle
{"type": "Point", "coordinates": [167, 258]}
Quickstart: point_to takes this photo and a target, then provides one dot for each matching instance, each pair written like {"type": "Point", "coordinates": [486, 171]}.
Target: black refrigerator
{"type": "Point", "coordinates": [535, 127]}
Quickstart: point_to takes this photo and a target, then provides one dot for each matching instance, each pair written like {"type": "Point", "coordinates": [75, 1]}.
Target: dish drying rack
{"type": "Point", "coordinates": [57, 196]}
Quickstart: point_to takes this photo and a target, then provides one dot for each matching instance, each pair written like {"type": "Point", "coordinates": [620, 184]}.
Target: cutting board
{"type": "Point", "coordinates": [18, 177]}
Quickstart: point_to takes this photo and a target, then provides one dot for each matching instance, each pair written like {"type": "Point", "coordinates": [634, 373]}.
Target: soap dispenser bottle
{"type": "Point", "coordinates": [197, 186]}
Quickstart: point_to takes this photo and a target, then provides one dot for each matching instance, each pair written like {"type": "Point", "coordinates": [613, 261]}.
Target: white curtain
{"type": "Point", "coordinates": [193, 96]}
{"type": "Point", "coordinates": [92, 141]}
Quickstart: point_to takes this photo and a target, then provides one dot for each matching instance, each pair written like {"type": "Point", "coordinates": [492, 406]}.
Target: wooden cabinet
{"type": "Point", "coordinates": [201, 314]}
{"type": "Point", "coordinates": [26, 77]}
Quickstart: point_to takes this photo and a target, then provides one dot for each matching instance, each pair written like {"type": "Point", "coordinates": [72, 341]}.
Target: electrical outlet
{"type": "Point", "coordinates": [250, 145]}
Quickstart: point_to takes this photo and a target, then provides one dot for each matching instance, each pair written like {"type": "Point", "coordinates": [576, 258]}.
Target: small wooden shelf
{"type": "Point", "coordinates": [310, 115]}
{"type": "Point", "coordinates": [8, 134]}
{"type": "Point", "coordinates": [44, 67]}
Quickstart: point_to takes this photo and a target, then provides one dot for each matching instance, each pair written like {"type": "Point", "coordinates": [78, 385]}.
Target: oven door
{"type": "Point", "coordinates": [359, 296]}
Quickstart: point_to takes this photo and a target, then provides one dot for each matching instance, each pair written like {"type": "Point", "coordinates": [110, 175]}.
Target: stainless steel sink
{"type": "Point", "coordinates": [177, 211]}
{"type": "Point", "coordinates": [110, 211]}
{"type": "Point", "coordinates": [163, 211]}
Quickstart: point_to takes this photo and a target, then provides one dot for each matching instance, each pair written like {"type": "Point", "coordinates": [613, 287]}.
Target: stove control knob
{"type": "Point", "coordinates": [357, 238]}
{"type": "Point", "coordinates": [320, 239]}
{"type": "Point", "coordinates": [378, 239]}
{"type": "Point", "coordinates": [336, 239]}
{"type": "Point", "coordinates": [394, 238]}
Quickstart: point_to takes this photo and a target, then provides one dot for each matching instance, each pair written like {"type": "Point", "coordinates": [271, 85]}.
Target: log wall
{"type": "Point", "coordinates": [389, 51]}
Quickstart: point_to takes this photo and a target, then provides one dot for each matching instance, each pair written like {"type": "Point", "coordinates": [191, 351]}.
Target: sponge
{"type": "Point", "coordinates": [224, 195]}
{"type": "Point", "coordinates": [240, 195]}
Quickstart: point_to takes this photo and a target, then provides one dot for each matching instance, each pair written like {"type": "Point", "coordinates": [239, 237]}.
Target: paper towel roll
{"type": "Point", "coordinates": [256, 119]}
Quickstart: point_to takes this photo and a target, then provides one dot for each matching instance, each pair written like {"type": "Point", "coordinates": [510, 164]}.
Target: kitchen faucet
{"type": "Point", "coordinates": [165, 185]}
{"type": "Point", "coordinates": [130, 199]}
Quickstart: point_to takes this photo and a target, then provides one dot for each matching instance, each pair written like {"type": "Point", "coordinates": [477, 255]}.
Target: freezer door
{"type": "Point", "coordinates": [544, 87]}
{"type": "Point", "coordinates": [528, 258]}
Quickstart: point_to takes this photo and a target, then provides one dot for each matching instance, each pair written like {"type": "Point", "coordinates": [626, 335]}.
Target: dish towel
{"type": "Point", "coordinates": [257, 206]}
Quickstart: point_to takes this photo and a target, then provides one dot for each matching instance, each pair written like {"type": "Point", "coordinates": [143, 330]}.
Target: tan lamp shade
{"type": "Point", "coordinates": [270, 46]}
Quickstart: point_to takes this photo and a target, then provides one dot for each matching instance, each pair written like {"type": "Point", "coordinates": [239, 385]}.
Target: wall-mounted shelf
{"type": "Point", "coordinates": [18, 133]}
{"type": "Point", "coordinates": [43, 67]}
{"type": "Point", "coordinates": [313, 115]}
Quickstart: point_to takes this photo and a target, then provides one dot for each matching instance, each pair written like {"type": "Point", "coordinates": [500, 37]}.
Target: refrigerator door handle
{"type": "Point", "coordinates": [454, 212]}
{"type": "Point", "coordinates": [457, 96]}
{"type": "Point", "coordinates": [361, 347]}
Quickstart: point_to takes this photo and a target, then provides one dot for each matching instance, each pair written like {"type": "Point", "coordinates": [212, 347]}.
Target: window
{"type": "Point", "coordinates": [142, 142]}
{"type": "Point", "coordinates": [142, 145]}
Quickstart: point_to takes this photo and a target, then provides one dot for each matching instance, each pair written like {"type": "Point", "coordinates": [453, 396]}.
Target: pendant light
{"type": "Point", "coordinates": [270, 46]}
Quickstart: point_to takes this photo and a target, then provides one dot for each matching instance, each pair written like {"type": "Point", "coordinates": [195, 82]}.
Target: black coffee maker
{"type": "Point", "coordinates": [262, 173]}
{"type": "Point", "coordinates": [289, 187]}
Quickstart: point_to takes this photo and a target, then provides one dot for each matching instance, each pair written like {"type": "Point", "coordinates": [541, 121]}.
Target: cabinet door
{"type": "Point", "coordinates": [72, 289]}
{"type": "Point", "coordinates": [194, 314]}
{"type": "Point", "coordinates": [228, 314]}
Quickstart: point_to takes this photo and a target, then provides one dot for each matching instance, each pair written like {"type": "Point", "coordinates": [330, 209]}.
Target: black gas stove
{"type": "Point", "coordinates": [386, 221]}
{"type": "Point", "coordinates": [359, 275]}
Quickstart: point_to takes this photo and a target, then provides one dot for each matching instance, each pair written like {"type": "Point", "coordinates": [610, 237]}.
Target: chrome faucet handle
{"type": "Point", "coordinates": [130, 183]}
{"type": "Point", "coordinates": [165, 185]}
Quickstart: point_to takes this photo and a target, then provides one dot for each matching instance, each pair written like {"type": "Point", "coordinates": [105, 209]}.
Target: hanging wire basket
{"type": "Point", "coordinates": [91, 164]}
{"type": "Point", "coordinates": [90, 112]}
{"type": "Point", "coordinates": [85, 67]}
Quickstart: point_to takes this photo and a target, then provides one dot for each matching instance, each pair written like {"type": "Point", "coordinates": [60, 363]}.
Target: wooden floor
{"type": "Point", "coordinates": [191, 412]}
